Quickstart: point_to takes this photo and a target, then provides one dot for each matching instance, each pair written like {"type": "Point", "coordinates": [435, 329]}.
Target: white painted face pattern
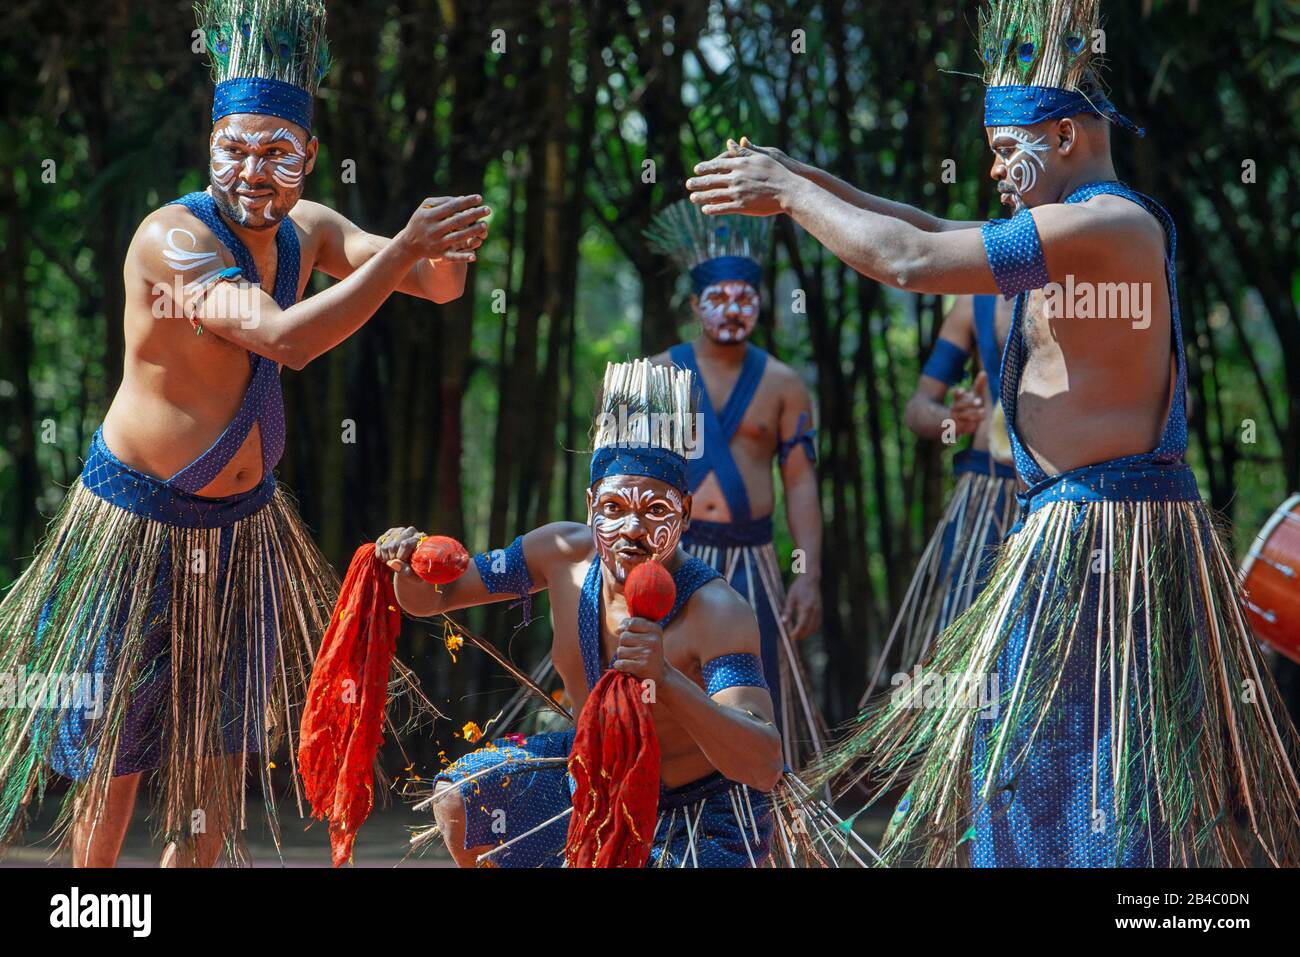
{"type": "Point", "coordinates": [621, 503]}
{"type": "Point", "coordinates": [1025, 163]}
{"type": "Point", "coordinates": [286, 166]}
{"type": "Point", "coordinates": [287, 169]}
{"type": "Point", "coordinates": [727, 313]}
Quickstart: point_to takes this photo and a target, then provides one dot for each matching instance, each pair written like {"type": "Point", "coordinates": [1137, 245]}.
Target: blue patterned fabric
{"type": "Point", "coordinates": [648, 461]}
{"type": "Point", "coordinates": [713, 542]}
{"type": "Point", "coordinates": [715, 807]}
{"type": "Point", "coordinates": [704, 534]}
{"type": "Point", "coordinates": [506, 571]}
{"type": "Point", "coordinates": [963, 583]}
{"type": "Point", "coordinates": [512, 795]}
{"type": "Point", "coordinates": [979, 462]}
{"type": "Point", "coordinates": [986, 341]}
{"type": "Point", "coordinates": [264, 96]}
{"type": "Point", "coordinates": [724, 268]}
{"type": "Point", "coordinates": [1042, 816]}
{"type": "Point", "coordinates": [804, 437]}
{"type": "Point", "coordinates": [510, 798]}
{"type": "Point", "coordinates": [263, 403]}
{"type": "Point", "coordinates": [720, 427]}
{"type": "Point", "coordinates": [1023, 105]}
{"type": "Point", "coordinates": [105, 475]}
{"type": "Point", "coordinates": [1009, 254]}
{"type": "Point", "coordinates": [149, 712]}
{"type": "Point", "coordinates": [947, 362]}
{"type": "Point", "coordinates": [691, 575]}
{"type": "Point", "coordinates": [1015, 254]}
{"type": "Point", "coordinates": [737, 670]}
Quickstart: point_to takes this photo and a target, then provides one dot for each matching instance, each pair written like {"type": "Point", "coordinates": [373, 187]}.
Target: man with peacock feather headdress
{"type": "Point", "coordinates": [757, 413]}
{"type": "Point", "coordinates": [177, 574]}
{"type": "Point", "coordinates": [1111, 631]}
{"type": "Point", "coordinates": [507, 803]}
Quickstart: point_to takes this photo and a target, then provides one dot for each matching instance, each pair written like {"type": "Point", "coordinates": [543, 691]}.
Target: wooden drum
{"type": "Point", "coordinates": [1271, 577]}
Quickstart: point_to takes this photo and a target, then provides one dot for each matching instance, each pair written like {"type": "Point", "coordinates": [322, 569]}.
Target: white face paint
{"type": "Point", "coordinates": [1021, 154]}
{"type": "Point", "coordinates": [635, 519]}
{"type": "Point", "coordinates": [208, 263]}
{"type": "Point", "coordinates": [258, 174]}
{"type": "Point", "coordinates": [728, 310]}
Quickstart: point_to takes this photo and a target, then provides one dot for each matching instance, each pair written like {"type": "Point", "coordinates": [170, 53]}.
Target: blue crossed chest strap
{"type": "Point", "coordinates": [986, 340]}
{"type": "Point", "coordinates": [691, 575]}
{"type": "Point", "coordinates": [720, 428]}
{"type": "Point", "coordinates": [1016, 257]}
{"type": "Point", "coordinates": [263, 402]}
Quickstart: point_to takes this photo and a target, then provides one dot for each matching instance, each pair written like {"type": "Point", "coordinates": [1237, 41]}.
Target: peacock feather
{"type": "Point", "coordinates": [685, 234]}
{"type": "Point", "coordinates": [277, 39]}
{"type": "Point", "coordinates": [1037, 42]}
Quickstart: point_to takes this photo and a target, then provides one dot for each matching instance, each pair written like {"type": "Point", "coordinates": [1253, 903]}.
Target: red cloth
{"type": "Point", "coordinates": [615, 757]}
{"type": "Point", "coordinates": [342, 721]}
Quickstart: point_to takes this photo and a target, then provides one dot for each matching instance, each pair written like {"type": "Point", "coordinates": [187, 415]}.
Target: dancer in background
{"type": "Point", "coordinates": [757, 413]}
{"type": "Point", "coordinates": [982, 508]}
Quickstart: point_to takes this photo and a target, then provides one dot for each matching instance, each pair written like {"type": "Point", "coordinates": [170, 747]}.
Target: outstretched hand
{"type": "Point", "coordinates": [748, 180]}
{"type": "Point", "coordinates": [449, 228]}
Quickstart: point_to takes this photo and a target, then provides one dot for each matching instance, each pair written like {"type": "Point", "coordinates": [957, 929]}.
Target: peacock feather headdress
{"type": "Point", "coordinates": [267, 56]}
{"type": "Point", "coordinates": [1040, 62]}
{"type": "Point", "coordinates": [645, 422]}
{"type": "Point", "coordinates": [1038, 42]}
{"type": "Point", "coordinates": [711, 248]}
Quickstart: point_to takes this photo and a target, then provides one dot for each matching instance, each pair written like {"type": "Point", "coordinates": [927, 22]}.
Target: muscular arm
{"type": "Point", "coordinates": [888, 249]}
{"type": "Point", "coordinates": [803, 513]}
{"type": "Point", "coordinates": [173, 244]}
{"type": "Point", "coordinates": [544, 549]}
{"type": "Point", "coordinates": [734, 728]}
{"type": "Point", "coordinates": [927, 411]}
{"type": "Point", "coordinates": [877, 204]}
{"type": "Point", "coordinates": [346, 247]}
{"type": "Point", "coordinates": [1095, 238]}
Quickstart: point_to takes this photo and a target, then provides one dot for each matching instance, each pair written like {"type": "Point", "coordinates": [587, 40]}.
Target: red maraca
{"type": "Point", "coordinates": [439, 560]}
{"type": "Point", "coordinates": [650, 591]}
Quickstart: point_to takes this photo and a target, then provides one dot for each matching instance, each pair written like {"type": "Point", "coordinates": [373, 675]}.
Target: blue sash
{"type": "Point", "coordinates": [263, 401]}
{"type": "Point", "coordinates": [690, 576]}
{"type": "Point", "coordinates": [986, 340]}
{"type": "Point", "coordinates": [1015, 254]}
{"type": "Point", "coordinates": [719, 428]}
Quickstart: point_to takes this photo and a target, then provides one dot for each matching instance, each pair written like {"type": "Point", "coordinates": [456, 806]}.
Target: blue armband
{"type": "Point", "coordinates": [947, 362]}
{"type": "Point", "coordinates": [504, 570]}
{"type": "Point", "coordinates": [1015, 254]}
{"type": "Point", "coordinates": [802, 436]}
{"type": "Point", "coordinates": [740, 670]}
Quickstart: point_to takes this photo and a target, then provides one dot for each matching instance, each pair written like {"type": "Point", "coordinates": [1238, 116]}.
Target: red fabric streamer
{"type": "Point", "coordinates": [615, 757]}
{"type": "Point", "coordinates": [342, 721]}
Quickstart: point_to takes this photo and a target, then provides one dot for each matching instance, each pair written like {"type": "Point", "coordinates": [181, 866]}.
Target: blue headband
{"type": "Point", "coordinates": [647, 461]}
{"type": "Point", "coordinates": [726, 267]}
{"type": "Point", "coordinates": [1027, 105]}
{"type": "Point", "coordinates": [265, 96]}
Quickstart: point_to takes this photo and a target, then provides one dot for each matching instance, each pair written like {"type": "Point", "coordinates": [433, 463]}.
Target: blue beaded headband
{"type": "Point", "coordinates": [1027, 105]}
{"type": "Point", "coordinates": [265, 96]}
{"type": "Point", "coordinates": [712, 271]}
{"type": "Point", "coordinates": [647, 461]}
